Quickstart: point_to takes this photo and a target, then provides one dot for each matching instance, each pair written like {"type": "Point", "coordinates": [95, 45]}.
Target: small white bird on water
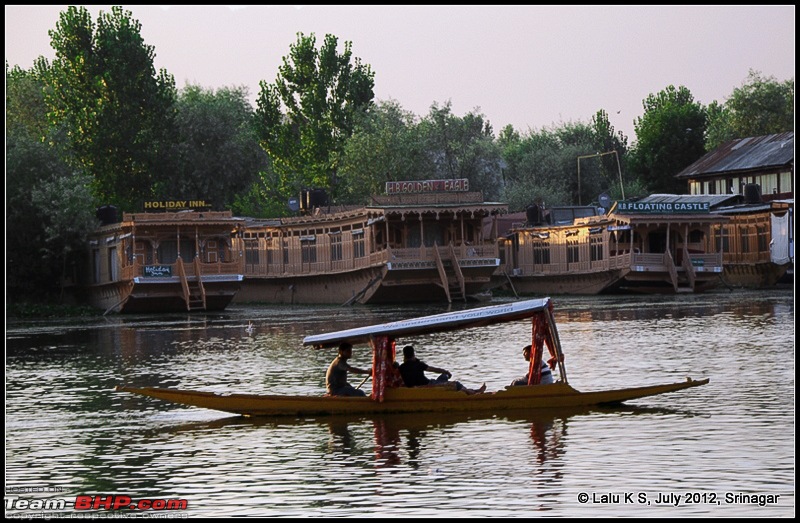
{"type": "Point", "coordinates": [250, 328]}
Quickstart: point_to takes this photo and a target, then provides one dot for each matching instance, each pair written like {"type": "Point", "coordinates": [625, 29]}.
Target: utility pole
{"type": "Point", "coordinates": [619, 170]}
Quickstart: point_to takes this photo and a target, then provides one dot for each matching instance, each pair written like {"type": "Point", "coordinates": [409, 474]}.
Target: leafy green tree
{"type": "Point", "coordinates": [385, 146]}
{"type": "Point", "coordinates": [304, 119]}
{"type": "Point", "coordinates": [37, 250]}
{"type": "Point", "coordinates": [216, 155]}
{"type": "Point", "coordinates": [669, 136]}
{"type": "Point", "coordinates": [103, 90]}
{"type": "Point", "coordinates": [462, 147]}
{"type": "Point", "coordinates": [539, 169]}
{"type": "Point", "coordinates": [761, 106]}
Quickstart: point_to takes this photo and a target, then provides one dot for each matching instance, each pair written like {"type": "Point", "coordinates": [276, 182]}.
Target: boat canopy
{"type": "Point", "coordinates": [465, 319]}
{"type": "Point", "coordinates": [382, 337]}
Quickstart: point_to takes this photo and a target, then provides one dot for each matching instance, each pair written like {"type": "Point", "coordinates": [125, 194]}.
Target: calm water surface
{"type": "Point", "coordinates": [68, 433]}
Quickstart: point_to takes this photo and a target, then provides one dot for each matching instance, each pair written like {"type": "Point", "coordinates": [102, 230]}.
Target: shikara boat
{"type": "Point", "coordinates": [389, 397]}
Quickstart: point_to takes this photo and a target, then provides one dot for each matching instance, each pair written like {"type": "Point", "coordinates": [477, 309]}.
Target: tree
{"type": "Point", "coordinates": [669, 136]}
{"type": "Point", "coordinates": [385, 146]}
{"type": "Point", "coordinates": [39, 244]}
{"type": "Point", "coordinates": [217, 156]}
{"type": "Point", "coordinates": [539, 169]}
{"type": "Point", "coordinates": [462, 148]}
{"type": "Point", "coordinates": [102, 88]}
{"type": "Point", "coordinates": [761, 106]}
{"type": "Point", "coordinates": [321, 92]}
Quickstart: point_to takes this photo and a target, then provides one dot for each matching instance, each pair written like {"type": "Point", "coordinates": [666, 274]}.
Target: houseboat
{"type": "Point", "coordinates": [656, 244]}
{"type": "Point", "coordinates": [757, 243]}
{"type": "Point", "coordinates": [173, 261]}
{"type": "Point", "coordinates": [422, 241]}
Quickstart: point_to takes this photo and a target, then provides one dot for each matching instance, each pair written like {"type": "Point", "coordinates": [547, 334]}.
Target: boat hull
{"type": "Point", "coordinates": [409, 400]}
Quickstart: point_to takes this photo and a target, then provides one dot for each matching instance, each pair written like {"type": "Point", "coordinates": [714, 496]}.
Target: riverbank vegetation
{"type": "Point", "coordinates": [100, 126]}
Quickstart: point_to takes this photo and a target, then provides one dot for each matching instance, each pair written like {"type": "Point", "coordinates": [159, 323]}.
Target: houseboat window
{"type": "Point", "coordinates": [285, 249]}
{"type": "Point", "coordinates": [168, 251]}
{"type": "Point", "coordinates": [722, 239]}
{"type": "Point", "coordinates": [595, 248]}
{"type": "Point", "coordinates": [763, 241]}
{"type": "Point", "coordinates": [573, 251]}
{"type": "Point", "coordinates": [308, 248]}
{"type": "Point", "coordinates": [251, 251]}
{"type": "Point", "coordinates": [95, 265]}
{"type": "Point", "coordinates": [744, 237]}
{"type": "Point", "coordinates": [696, 236]}
{"type": "Point", "coordinates": [336, 246]}
{"type": "Point", "coordinates": [358, 244]}
{"type": "Point", "coordinates": [113, 264]}
{"type": "Point", "coordinates": [541, 252]}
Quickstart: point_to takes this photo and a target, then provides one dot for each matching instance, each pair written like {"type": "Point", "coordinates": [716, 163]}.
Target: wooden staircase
{"type": "Point", "coordinates": [452, 279]}
{"type": "Point", "coordinates": [683, 284]}
{"type": "Point", "coordinates": [194, 294]}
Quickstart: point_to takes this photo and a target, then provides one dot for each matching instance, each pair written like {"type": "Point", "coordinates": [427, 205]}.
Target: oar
{"type": "Point", "coordinates": [364, 381]}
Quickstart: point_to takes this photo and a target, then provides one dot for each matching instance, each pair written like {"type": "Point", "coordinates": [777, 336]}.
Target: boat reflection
{"type": "Point", "coordinates": [392, 440]}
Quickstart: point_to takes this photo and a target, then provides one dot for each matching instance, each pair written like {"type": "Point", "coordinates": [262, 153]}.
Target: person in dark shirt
{"type": "Point", "coordinates": [413, 372]}
{"type": "Point", "coordinates": [336, 377]}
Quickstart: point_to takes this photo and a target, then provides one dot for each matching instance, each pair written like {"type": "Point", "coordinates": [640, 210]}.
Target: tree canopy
{"type": "Point", "coordinates": [305, 117]}
{"type": "Point", "coordinates": [670, 136]}
{"type": "Point", "coordinates": [117, 114]}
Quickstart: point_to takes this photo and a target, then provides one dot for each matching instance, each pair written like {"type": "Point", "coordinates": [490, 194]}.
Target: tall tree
{"type": "Point", "coordinates": [103, 89]}
{"type": "Point", "coordinates": [305, 117]}
{"type": "Point", "coordinates": [462, 147]}
{"type": "Point", "coordinates": [669, 136]}
{"type": "Point", "coordinates": [759, 107]}
{"type": "Point", "coordinates": [48, 208]}
{"type": "Point", "coordinates": [217, 156]}
{"type": "Point", "coordinates": [385, 146]}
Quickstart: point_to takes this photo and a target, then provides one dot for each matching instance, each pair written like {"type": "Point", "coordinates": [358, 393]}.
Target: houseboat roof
{"type": "Point", "coordinates": [743, 155]}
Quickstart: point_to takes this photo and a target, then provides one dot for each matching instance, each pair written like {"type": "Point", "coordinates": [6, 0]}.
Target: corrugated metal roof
{"type": "Point", "coordinates": [744, 154]}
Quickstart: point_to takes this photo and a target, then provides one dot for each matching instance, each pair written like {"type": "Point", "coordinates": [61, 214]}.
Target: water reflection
{"type": "Point", "coordinates": [67, 427]}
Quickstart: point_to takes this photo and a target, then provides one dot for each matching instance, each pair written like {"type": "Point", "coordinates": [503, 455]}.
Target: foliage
{"type": "Point", "coordinates": [669, 137]}
{"type": "Point", "coordinates": [542, 167]}
{"type": "Point", "coordinates": [216, 156]}
{"type": "Point", "coordinates": [103, 90]}
{"type": "Point", "coordinates": [761, 106]}
{"type": "Point", "coordinates": [385, 146]}
{"type": "Point", "coordinates": [461, 148]}
{"type": "Point", "coordinates": [321, 92]}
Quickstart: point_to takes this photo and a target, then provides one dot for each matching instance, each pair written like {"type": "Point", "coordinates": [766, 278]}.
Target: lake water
{"type": "Point", "coordinates": [723, 449]}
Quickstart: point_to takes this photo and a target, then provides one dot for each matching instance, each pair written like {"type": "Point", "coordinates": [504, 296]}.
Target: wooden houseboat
{"type": "Point", "coordinates": [162, 262]}
{"type": "Point", "coordinates": [757, 243]}
{"type": "Point", "coordinates": [406, 246]}
{"type": "Point", "coordinates": [657, 244]}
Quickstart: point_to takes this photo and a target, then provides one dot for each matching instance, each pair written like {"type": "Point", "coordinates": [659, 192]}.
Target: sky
{"type": "Point", "coordinates": [533, 67]}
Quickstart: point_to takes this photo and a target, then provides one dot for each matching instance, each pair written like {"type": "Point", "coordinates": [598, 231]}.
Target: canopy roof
{"type": "Point", "coordinates": [449, 321]}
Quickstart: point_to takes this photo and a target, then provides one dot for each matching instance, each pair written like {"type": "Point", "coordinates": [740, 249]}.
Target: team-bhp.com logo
{"type": "Point", "coordinates": [94, 503]}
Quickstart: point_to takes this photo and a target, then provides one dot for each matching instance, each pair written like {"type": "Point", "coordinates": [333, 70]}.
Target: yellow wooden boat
{"type": "Point", "coordinates": [389, 398]}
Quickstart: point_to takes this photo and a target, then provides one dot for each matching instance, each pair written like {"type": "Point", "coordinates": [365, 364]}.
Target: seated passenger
{"type": "Point", "coordinates": [547, 374]}
{"type": "Point", "coordinates": [413, 372]}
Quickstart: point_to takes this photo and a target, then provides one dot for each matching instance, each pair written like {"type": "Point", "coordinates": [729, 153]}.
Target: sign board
{"type": "Point", "coordinates": [158, 271]}
{"type": "Point", "coordinates": [176, 205]}
{"type": "Point", "coordinates": [427, 186]}
{"type": "Point", "coordinates": [663, 207]}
